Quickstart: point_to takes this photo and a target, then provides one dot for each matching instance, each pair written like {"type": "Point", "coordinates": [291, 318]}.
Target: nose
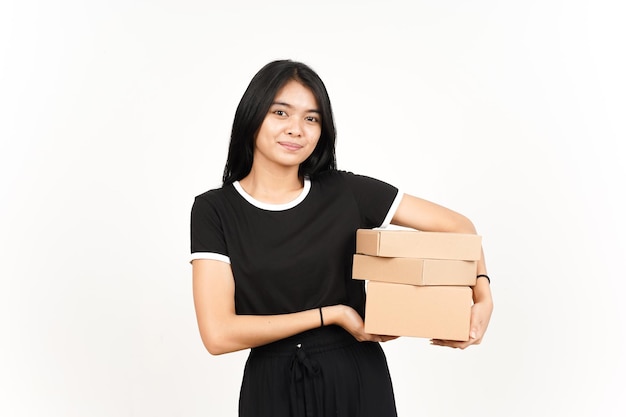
{"type": "Point", "coordinates": [294, 127]}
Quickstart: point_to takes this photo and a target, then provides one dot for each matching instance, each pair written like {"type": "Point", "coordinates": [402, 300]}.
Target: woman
{"type": "Point", "coordinates": [272, 251]}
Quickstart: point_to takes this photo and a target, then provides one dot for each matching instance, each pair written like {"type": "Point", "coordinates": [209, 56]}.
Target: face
{"type": "Point", "coordinates": [290, 130]}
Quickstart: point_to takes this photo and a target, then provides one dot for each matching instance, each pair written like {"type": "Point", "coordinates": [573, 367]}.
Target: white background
{"type": "Point", "coordinates": [115, 114]}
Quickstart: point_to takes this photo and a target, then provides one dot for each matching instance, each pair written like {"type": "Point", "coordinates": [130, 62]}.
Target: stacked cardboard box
{"type": "Point", "coordinates": [418, 282]}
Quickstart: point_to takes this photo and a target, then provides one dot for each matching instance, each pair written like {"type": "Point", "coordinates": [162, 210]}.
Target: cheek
{"type": "Point", "coordinates": [314, 134]}
{"type": "Point", "coordinates": [267, 128]}
{"type": "Point", "coordinates": [314, 144]}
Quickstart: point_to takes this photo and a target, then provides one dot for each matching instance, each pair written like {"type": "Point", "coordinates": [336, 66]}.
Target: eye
{"type": "Point", "coordinates": [280, 112]}
{"type": "Point", "coordinates": [312, 119]}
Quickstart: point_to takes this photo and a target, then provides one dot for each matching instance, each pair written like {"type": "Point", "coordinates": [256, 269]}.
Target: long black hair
{"type": "Point", "coordinates": [253, 108]}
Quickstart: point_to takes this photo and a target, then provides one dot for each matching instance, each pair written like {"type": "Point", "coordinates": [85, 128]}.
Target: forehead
{"type": "Point", "coordinates": [295, 93]}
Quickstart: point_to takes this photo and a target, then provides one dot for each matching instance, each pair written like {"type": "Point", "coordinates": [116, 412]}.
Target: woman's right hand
{"type": "Point", "coordinates": [351, 321]}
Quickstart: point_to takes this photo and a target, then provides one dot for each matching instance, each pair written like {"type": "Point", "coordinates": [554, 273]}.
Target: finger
{"type": "Point", "coordinates": [367, 337]}
{"type": "Point", "coordinates": [445, 343]}
{"type": "Point", "coordinates": [476, 333]}
{"type": "Point", "coordinates": [476, 325]}
{"type": "Point", "coordinates": [388, 338]}
{"type": "Point", "coordinates": [452, 343]}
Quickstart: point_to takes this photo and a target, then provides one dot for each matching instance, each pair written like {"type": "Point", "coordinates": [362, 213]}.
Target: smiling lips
{"type": "Point", "coordinates": [290, 146]}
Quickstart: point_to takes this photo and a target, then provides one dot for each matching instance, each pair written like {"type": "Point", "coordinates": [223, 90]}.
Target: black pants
{"type": "Point", "coordinates": [319, 373]}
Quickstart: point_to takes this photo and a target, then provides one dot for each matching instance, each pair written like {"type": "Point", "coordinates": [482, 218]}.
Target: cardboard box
{"type": "Point", "coordinates": [433, 312]}
{"type": "Point", "coordinates": [414, 271]}
{"type": "Point", "coordinates": [416, 244]}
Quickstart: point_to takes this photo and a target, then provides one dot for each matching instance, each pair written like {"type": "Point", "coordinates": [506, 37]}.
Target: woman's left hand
{"type": "Point", "coordinates": [480, 316]}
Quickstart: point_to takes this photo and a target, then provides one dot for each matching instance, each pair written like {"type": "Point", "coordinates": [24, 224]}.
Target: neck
{"type": "Point", "coordinates": [275, 187]}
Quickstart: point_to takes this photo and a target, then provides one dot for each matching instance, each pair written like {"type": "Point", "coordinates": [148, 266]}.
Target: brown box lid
{"type": "Point", "coordinates": [416, 244]}
{"type": "Point", "coordinates": [414, 271]}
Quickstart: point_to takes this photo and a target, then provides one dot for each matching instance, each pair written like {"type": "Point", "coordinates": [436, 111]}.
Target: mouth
{"type": "Point", "coordinates": [290, 146]}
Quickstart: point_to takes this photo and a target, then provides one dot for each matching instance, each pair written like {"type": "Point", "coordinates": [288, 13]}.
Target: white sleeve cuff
{"type": "Point", "coordinates": [210, 255]}
{"type": "Point", "coordinates": [392, 209]}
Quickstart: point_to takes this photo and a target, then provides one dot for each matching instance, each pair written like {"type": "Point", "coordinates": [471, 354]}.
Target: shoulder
{"type": "Point", "coordinates": [347, 179]}
{"type": "Point", "coordinates": [217, 194]}
{"type": "Point", "coordinates": [333, 176]}
{"type": "Point", "coordinates": [213, 199]}
{"type": "Point", "coordinates": [329, 181]}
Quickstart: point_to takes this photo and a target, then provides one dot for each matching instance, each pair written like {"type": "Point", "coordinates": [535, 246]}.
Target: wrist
{"type": "Point", "coordinates": [482, 293]}
{"type": "Point", "coordinates": [321, 316]}
{"type": "Point", "coordinates": [485, 276]}
{"type": "Point", "coordinates": [332, 315]}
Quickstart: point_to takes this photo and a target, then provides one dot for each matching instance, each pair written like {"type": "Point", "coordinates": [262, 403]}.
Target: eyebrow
{"type": "Point", "coordinates": [282, 103]}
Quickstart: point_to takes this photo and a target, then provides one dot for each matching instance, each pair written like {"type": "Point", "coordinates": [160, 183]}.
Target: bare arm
{"type": "Point", "coordinates": [424, 215]}
{"type": "Point", "coordinates": [222, 330]}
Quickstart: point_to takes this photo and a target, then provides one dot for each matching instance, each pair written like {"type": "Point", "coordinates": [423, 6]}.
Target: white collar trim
{"type": "Point", "coordinates": [274, 207]}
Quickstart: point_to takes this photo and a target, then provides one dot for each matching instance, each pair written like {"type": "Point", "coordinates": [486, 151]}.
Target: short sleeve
{"type": "Point", "coordinates": [377, 200]}
{"type": "Point", "coordinates": [207, 234]}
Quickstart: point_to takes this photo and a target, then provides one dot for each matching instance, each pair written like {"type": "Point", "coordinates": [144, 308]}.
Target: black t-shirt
{"type": "Point", "coordinates": [295, 256]}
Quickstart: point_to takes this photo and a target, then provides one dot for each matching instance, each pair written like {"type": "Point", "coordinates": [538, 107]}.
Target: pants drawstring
{"type": "Point", "coordinates": [305, 386]}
